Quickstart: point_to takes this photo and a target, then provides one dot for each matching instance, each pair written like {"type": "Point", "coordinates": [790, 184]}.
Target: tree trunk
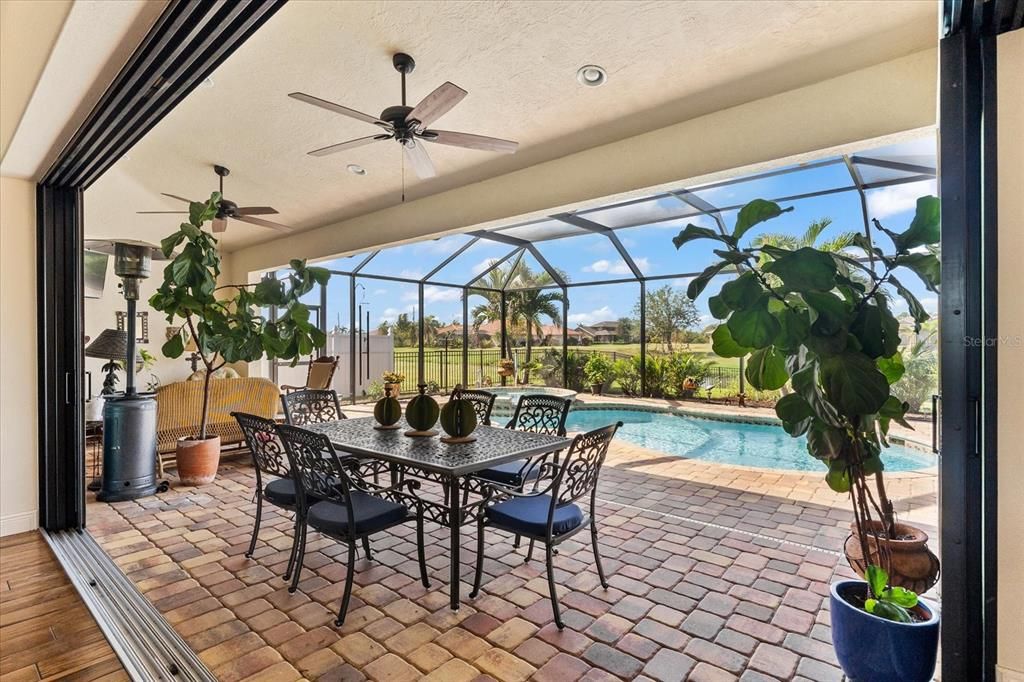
{"type": "Point", "coordinates": [206, 403]}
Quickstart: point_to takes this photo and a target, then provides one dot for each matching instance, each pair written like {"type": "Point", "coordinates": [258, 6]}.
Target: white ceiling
{"type": "Point", "coordinates": [667, 62]}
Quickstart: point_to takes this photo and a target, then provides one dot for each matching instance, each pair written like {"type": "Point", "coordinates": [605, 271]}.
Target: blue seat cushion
{"type": "Point", "coordinates": [529, 516]}
{"type": "Point", "coordinates": [509, 473]}
{"type": "Point", "coordinates": [371, 513]}
{"type": "Point", "coordinates": [281, 492]}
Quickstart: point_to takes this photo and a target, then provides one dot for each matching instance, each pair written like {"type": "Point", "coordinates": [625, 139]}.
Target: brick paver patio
{"type": "Point", "coordinates": [716, 573]}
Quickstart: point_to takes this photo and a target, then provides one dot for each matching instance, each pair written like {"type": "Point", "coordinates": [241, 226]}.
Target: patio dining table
{"type": "Point", "coordinates": [453, 466]}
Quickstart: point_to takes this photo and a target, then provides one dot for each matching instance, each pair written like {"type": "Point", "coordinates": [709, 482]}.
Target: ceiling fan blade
{"type": "Point", "coordinates": [419, 160]}
{"type": "Point", "coordinates": [338, 109]}
{"type": "Point", "coordinates": [220, 224]}
{"type": "Point", "coordinates": [162, 212]}
{"type": "Point", "coordinates": [255, 210]}
{"type": "Point", "coordinates": [174, 196]}
{"type": "Point", "coordinates": [263, 223]}
{"type": "Point", "coordinates": [351, 144]}
{"type": "Point", "coordinates": [436, 104]}
{"type": "Point", "coordinates": [481, 142]}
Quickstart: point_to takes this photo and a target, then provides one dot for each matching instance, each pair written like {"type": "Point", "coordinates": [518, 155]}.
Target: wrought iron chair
{"type": "Point", "coordinates": [333, 504]}
{"type": "Point", "coordinates": [539, 413]}
{"type": "Point", "coordinates": [268, 457]}
{"type": "Point", "coordinates": [550, 514]}
{"type": "Point", "coordinates": [311, 406]}
{"type": "Point", "coordinates": [319, 374]}
{"type": "Point", "coordinates": [483, 403]}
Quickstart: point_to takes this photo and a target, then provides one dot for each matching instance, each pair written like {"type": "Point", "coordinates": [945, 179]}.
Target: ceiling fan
{"type": "Point", "coordinates": [229, 209]}
{"type": "Point", "coordinates": [410, 126]}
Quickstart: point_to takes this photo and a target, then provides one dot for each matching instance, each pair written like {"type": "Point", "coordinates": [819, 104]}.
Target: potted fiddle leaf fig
{"type": "Point", "coordinates": [822, 322]}
{"type": "Point", "coordinates": [226, 321]}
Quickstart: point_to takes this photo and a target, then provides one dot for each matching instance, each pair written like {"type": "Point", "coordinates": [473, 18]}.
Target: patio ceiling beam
{"type": "Point", "coordinates": [597, 228]}
{"type": "Point", "coordinates": [458, 252]}
{"type": "Point", "coordinates": [893, 165]}
{"type": "Point", "coordinates": [899, 181]}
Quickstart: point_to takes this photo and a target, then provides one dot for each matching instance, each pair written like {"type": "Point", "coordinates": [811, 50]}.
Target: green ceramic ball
{"type": "Point", "coordinates": [422, 411]}
{"type": "Point", "coordinates": [458, 419]}
{"type": "Point", "coordinates": [388, 410]}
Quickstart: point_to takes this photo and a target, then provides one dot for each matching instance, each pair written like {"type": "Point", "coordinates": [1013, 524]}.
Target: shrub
{"type": "Point", "coordinates": [627, 374]}
{"type": "Point", "coordinates": [598, 369]}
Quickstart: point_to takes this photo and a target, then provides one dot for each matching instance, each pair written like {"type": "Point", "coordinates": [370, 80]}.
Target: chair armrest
{"type": "Point", "coordinates": [287, 387]}
{"type": "Point", "coordinates": [489, 490]}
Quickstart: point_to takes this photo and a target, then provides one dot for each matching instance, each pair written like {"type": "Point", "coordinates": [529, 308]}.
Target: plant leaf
{"type": "Point", "coordinates": [725, 346]}
{"type": "Point", "coordinates": [914, 306]}
{"type": "Point", "coordinates": [700, 282]}
{"type": "Point", "coordinates": [806, 269]}
{"type": "Point", "coordinates": [174, 347]}
{"type": "Point", "coordinates": [901, 596]}
{"type": "Point", "coordinates": [693, 232]}
{"type": "Point", "coordinates": [828, 313]}
{"type": "Point", "coordinates": [877, 579]}
{"type": "Point", "coordinates": [756, 211]}
{"type": "Point", "coordinates": [766, 370]}
{"type": "Point", "coordinates": [854, 384]}
{"type": "Point", "coordinates": [924, 229]}
{"type": "Point", "coordinates": [754, 326]}
{"type": "Point", "coordinates": [892, 367]}
{"type": "Point", "coordinates": [741, 292]}
{"type": "Point", "coordinates": [926, 266]}
{"type": "Point", "coordinates": [719, 310]}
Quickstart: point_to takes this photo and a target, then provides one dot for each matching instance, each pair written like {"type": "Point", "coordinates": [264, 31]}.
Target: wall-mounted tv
{"type": "Point", "coordinates": [95, 269]}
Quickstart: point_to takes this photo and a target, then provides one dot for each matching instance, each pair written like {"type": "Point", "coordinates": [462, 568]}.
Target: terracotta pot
{"type": "Point", "coordinates": [198, 460]}
{"type": "Point", "coordinates": [394, 389]}
{"type": "Point", "coordinates": [913, 565]}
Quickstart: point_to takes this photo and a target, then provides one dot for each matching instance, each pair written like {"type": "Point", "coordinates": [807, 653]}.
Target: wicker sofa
{"type": "Point", "coordinates": [179, 406]}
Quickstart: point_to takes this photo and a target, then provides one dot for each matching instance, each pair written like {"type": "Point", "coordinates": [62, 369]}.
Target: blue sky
{"type": "Point", "coordinates": [592, 257]}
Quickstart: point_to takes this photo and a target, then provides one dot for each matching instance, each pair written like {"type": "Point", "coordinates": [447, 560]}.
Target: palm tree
{"type": "Point", "coordinates": [531, 304]}
{"type": "Point", "coordinates": [837, 243]}
{"type": "Point", "coordinates": [490, 309]}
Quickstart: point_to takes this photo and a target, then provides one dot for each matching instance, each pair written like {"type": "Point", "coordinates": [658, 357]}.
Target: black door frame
{"type": "Point", "coordinates": [968, 331]}
{"type": "Point", "coordinates": [186, 43]}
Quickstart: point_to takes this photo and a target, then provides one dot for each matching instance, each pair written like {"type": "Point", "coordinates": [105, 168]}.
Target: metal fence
{"type": "Point", "coordinates": [443, 366]}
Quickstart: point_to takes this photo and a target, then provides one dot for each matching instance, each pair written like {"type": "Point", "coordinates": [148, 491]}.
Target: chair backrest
{"type": "Point", "coordinates": [315, 466]}
{"type": "Point", "coordinates": [321, 371]}
{"type": "Point", "coordinates": [311, 407]}
{"type": "Point", "coordinates": [483, 403]}
{"type": "Point", "coordinates": [541, 413]}
{"type": "Point", "coordinates": [577, 476]}
{"type": "Point", "coordinates": [268, 455]}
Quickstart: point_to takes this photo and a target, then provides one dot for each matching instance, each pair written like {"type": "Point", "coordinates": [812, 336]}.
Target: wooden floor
{"type": "Point", "coordinates": [46, 632]}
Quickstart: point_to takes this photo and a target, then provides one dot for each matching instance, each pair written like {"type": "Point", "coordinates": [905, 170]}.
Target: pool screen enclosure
{"type": "Point", "coordinates": [490, 264]}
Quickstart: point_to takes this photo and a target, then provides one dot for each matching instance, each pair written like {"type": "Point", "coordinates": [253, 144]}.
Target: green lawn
{"type": "Point", "coordinates": [700, 349]}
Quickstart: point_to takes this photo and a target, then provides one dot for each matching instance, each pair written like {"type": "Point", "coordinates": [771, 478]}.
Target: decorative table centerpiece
{"type": "Point", "coordinates": [458, 419]}
{"type": "Point", "coordinates": [421, 413]}
{"type": "Point", "coordinates": [387, 411]}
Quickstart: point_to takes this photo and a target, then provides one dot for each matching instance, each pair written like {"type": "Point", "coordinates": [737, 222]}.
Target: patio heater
{"type": "Point", "coordinates": [129, 418]}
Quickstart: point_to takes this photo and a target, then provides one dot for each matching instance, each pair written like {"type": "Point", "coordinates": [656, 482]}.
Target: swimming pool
{"type": "Point", "coordinates": [756, 445]}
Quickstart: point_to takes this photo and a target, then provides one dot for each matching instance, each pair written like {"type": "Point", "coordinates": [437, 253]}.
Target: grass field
{"type": "Point", "coordinates": [702, 350]}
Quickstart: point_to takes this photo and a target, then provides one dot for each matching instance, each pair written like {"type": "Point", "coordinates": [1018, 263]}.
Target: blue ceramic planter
{"type": "Point", "coordinates": [873, 649]}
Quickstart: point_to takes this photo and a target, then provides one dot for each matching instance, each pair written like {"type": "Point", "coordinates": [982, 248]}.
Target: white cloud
{"type": "Point", "coordinates": [485, 264]}
{"type": "Point", "coordinates": [618, 267]}
{"type": "Point", "coordinates": [682, 282]}
{"type": "Point", "coordinates": [889, 201]}
{"type": "Point", "coordinates": [376, 292]}
{"type": "Point", "coordinates": [602, 313]}
{"type": "Point", "coordinates": [929, 303]}
{"type": "Point", "coordinates": [410, 274]}
{"type": "Point", "coordinates": [391, 314]}
{"type": "Point", "coordinates": [433, 294]}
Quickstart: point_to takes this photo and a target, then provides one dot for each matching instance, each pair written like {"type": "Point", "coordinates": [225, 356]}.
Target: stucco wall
{"type": "Point", "coordinates": [19, 476]}
{"type": "Point", "coordinates": [1010, 358]}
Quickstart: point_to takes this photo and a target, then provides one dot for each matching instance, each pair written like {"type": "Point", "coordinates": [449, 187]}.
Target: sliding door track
{"type": "Point", "coordinates": [148, 647]}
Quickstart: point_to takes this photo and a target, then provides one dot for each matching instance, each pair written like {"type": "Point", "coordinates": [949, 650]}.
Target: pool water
{"type": "Point", "coordinates": [755, 445]}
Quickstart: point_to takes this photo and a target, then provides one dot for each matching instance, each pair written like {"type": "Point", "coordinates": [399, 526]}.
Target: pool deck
{"type": "Point", "coordinates": [717, 572]}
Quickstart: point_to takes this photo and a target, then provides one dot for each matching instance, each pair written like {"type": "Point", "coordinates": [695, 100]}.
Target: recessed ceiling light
{"type": "Point", "coordinates": [356, 169]}
{"type": "Point", "coordinates": [591, 75]}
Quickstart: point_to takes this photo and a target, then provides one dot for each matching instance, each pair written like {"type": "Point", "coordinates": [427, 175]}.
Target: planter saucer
{"type": "Point", "coordinates": [382, 427]}
{"type": "Point", "coordinates": [413, 433]}
{"type": "Point", "coordinates": [455, 440]}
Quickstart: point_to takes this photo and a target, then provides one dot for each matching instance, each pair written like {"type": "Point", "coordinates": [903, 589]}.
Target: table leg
{"type": "Point", "coordinates": [455, 530]}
